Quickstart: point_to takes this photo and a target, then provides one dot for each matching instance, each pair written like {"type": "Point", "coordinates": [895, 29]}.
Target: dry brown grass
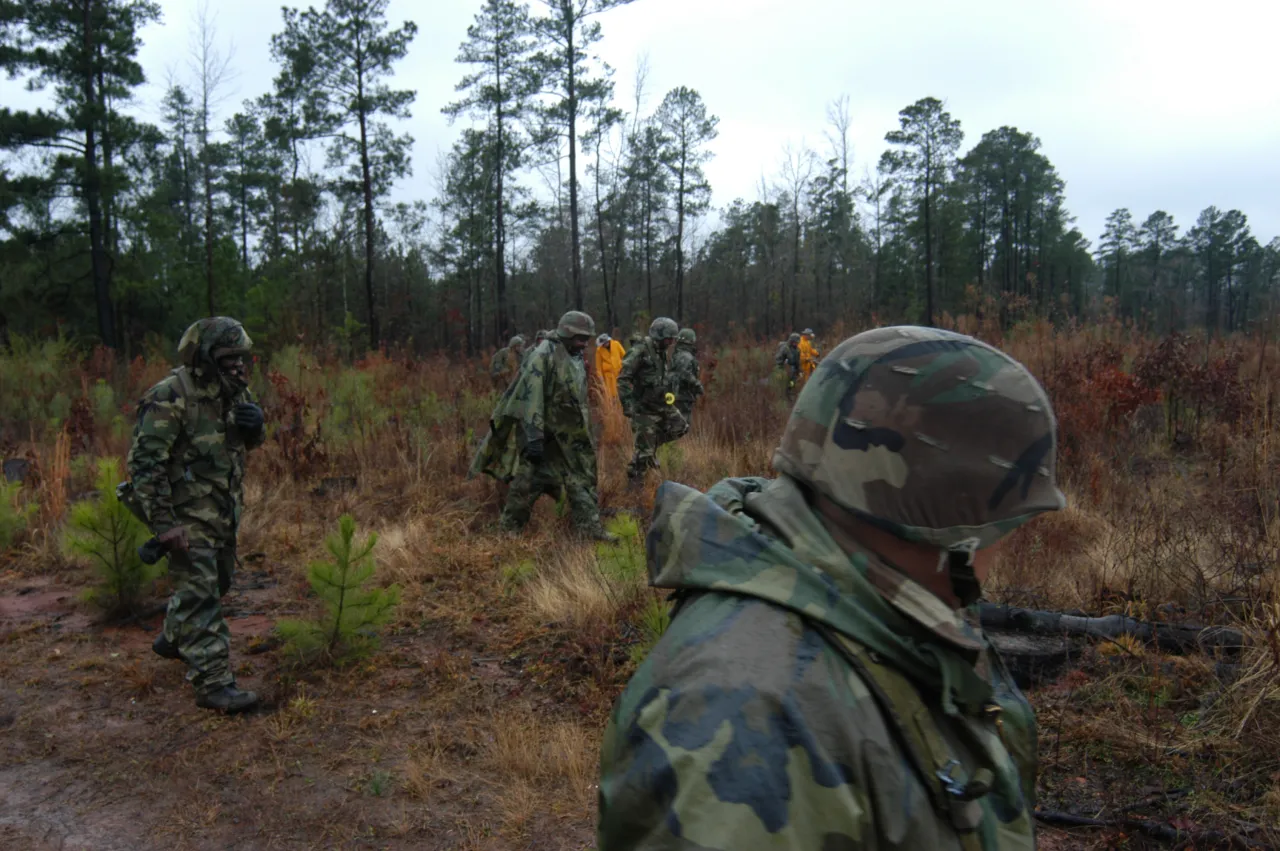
{"type": "Point", "coordinates": [507, 651]}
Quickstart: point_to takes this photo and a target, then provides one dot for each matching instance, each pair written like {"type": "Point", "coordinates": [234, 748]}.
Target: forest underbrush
{"type": "Point", "coordinates": [477, 721]}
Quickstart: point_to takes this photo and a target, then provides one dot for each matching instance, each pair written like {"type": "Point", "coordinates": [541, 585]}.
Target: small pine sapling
{"type": "Point", "coordinates": [347, 630]}
{"type": "Point", "coordinates": [105, 534]}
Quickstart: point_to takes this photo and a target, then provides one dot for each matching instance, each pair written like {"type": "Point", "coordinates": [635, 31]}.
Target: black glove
{"type": "Point", "coordinates": [533, 450]}
{"type": "Point", "coordinates": [247, 416]}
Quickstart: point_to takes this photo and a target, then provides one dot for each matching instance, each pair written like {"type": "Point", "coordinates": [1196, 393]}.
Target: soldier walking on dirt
{"type": "Point", "coordinates": [824, 682]}
{"type": "Point", "coordinates": [186, 468]}
{"type": "Point", "coordinates": [686, 374]}
{"type": "Point", "coordinates": [644, 389]}
{"type": "Point", "coordinates": [787, 358]}
{"type": "Point", "coordinates": [506, 362]}
{"type": "Point", "coordinates": [540, 434]}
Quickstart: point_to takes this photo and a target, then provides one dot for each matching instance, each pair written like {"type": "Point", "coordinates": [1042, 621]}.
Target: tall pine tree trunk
{"type": "Point", "coordinates": [367, 181]}
{"type": "Point", "coordinates": [499, 214]}
{"type": "Point", "coordinates": [571, 66]}
{"type": "Point", "coordinates": [99, 265]}
{"type": "Point", "coordinates": [680, 247]}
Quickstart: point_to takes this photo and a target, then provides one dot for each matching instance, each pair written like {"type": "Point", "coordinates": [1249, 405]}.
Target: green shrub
{"type": "Point", "coordinates": [348, 628]}
{"type": "Point", "coordinates": [13, 516]}
{"type": "Point", "coordinates": [624, 562]}
{"type": "Point", "coordinates": [103, 398]}
{"type": "Point", "coordinates": [355, 412]}
{"type": "Point", "coordinates": [653, 621]}
{"type": "Point", "coordinates": [105, 535]}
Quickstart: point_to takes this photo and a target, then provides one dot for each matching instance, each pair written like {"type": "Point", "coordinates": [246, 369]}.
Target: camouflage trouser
{"type": "Point", "coordinates": [549, 477]}
{"type": "Point", "coordinates": [651, 431]}
{"type": "Point", "coordinates": [194, 622]}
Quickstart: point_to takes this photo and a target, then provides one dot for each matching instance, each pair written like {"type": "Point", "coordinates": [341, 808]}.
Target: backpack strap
{"type": "Point", "coordinates": [954, 799]}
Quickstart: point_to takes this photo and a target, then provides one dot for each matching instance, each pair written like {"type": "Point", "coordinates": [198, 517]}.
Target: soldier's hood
{"type": "Point", "coordinates": [759, 538]}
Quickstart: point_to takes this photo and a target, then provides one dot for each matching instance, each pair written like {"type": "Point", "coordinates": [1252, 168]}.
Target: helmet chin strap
{"type": "Point", "coordinates": [958, 560]}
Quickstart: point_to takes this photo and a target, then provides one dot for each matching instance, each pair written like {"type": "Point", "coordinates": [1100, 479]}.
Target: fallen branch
{"type": "Point", "coordinates": [1171, 638]}
{"type": "Point", "coordinates": [1155, 829]}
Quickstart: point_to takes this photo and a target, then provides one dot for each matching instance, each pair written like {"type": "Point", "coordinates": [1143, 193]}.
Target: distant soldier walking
{"type": "Point", "coordinates": [540, 433]}
{"type": "Point", "coordinates": [506, 362]}
{"type": "Point", "coordinates": [186, 467]}
{"type": "Point", "coordinates": [647, 399]}
{"type": "Point", "coordinates": [686, 374]}
{"type": "Point", "coordinates": [787, 358]}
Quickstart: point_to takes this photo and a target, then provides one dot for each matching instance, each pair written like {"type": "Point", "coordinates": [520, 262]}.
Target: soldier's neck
{"type": "Point", "coordinates": [917, 562]}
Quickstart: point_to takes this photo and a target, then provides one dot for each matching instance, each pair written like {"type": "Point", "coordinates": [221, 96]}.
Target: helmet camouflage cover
{"type": "Point", "coordinates": [664, 328]}
{"type": "Point", "coordinates": [575, 323]}
{"type": "Point", "coordinates": [688, 335]}
{"type": "Point", "coordinates": [206, 340]}
{"type": "Point", "coordinates": [933, 436]}
{"type": "Point", "coordinates": [794, 338]}
{"type": "Point", "coordinates": [516, 342]}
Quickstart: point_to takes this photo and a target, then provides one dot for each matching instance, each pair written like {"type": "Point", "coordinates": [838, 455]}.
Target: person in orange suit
{"type": "Point", "coordinates": [609, 354]}
{"type": "Point", "coordinates": [809, 354]}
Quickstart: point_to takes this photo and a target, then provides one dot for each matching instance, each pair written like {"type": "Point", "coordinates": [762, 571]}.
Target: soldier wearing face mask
{"type": "Point", "coordinates": [186, 468]}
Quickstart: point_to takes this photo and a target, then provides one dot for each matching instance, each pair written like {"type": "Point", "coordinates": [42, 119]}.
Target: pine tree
{"type": "Point", "coordinates": [106, 535]}
{"type": "Point", "coordinates": [338, 60]}
{"type": "Point", "coordinates": [347, 629]}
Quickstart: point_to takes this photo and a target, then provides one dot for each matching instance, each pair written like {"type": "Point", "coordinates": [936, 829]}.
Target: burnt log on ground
{"type": "Point", "coordinates": [1171, 638]}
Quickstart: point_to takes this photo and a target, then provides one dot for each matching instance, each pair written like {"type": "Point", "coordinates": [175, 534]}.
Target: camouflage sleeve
{"type": "Point", "coordinates": [160, 417]}
{"type": "Point", "coordinates": [499, 363]}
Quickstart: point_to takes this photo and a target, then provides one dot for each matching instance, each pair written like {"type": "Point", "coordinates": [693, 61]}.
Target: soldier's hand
{"type": "Point", "coordinates": [533, 451]}
{"type": "Point", "coordinates": [175, 540]}
{"type": "Point", "coordinates": [247, 416]}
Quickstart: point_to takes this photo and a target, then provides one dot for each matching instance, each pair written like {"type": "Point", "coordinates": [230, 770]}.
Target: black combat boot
{"type": "Point", "coordinates": [164, 648]}
{"type": "Point", "coordinates": [227, 699]}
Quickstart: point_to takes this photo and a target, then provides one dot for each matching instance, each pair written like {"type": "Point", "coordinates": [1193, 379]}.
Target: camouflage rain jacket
{"type": "Point", "coordinates": [548, 402]}
{"type": "Point", "coordinates": [771, 714]}
{"type": "Point", "coordinates": [642, 384]}
{"type": "Point", "coordinates": [686, 374]}
{"type": "Point", "coordinates": [187, 466]}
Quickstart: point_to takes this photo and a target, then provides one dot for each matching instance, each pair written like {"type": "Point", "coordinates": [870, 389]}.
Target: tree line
{"type": "Point", "coordinates": [556, 194]}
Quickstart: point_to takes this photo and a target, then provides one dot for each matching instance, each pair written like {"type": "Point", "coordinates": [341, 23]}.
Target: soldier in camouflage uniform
{"type": "Point", "coordinates": [186, 467]}
{"type": "Point", "coordinates": [824, 683]}
{"type": "Point", "coordinates": [506, 362]}
{"type": "Point", "coordinates": [686, 374]}
{"type": "Point", "coordinates": [787, 358]}
{"type": "Point", "coordinates": [540, 434]}
{"type": "Point", "coordinates": [644, 388]}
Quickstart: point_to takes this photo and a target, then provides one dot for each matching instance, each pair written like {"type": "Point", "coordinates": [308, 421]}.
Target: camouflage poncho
{"type": "Point", "coordinates": [748, 726]}
{"type": "Point", "coordinates": [547, 401]}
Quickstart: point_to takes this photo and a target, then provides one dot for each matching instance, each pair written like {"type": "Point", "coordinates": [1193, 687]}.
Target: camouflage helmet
{"type": "Point", "coordinates": [932, 436]}
{"type": "Point", "coordinates": [516, 342]}
{"type": "Point", "coordinates": [794, 338]}
{"type": "Point", "coordinates": [542, 335]}
{"type": "Point", "coordinates": [664, 328]}
{"type": "Point", "coordinates": [575, 323]}
{"type": "Point", "coordinates": [688, 335]}
{"type": "Point", "coordinates": [206, 340]}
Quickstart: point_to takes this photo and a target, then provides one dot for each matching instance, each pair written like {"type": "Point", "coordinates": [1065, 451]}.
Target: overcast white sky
{"type": "Point", "coordinates": [1149, 104]}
